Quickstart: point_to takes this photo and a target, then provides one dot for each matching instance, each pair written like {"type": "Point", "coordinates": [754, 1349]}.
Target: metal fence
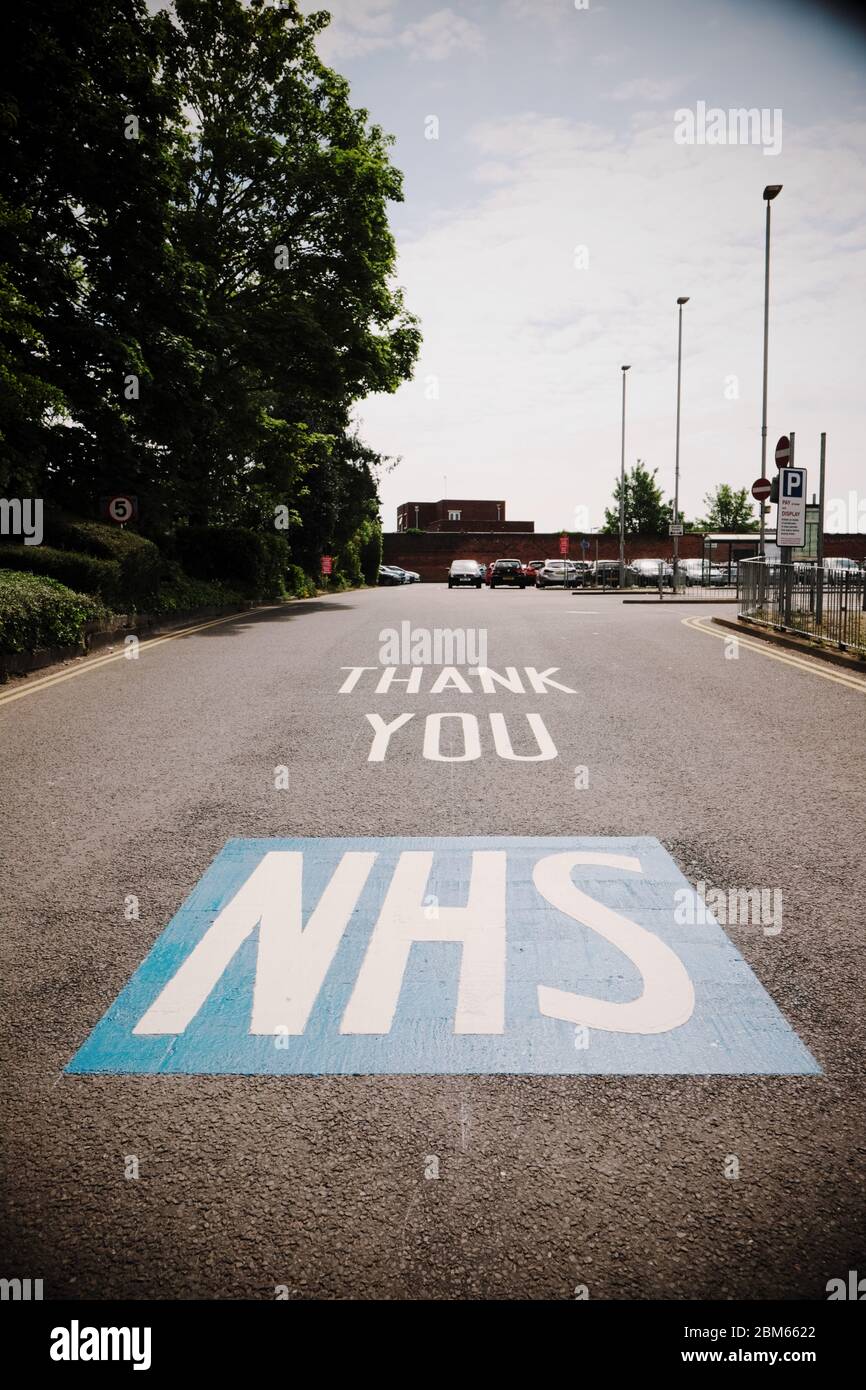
{"type": "Point", "coordinates": [648, 579]}
{"type": "Point", "coordinates": [825, 603]}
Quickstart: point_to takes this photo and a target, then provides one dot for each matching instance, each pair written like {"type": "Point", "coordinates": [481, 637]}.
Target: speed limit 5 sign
{"type": "Point", "coordinates": [120, 508]}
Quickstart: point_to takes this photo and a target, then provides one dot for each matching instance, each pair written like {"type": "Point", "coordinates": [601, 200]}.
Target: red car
{"type": "Point", "coordinates": [530, 570]}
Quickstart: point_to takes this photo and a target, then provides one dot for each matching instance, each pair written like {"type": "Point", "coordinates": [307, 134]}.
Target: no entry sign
{"type": "Point", "coordinates": [761, 489]}
{"type": "Point", "coordinates": [783, 452]}
{"type": "Point", "coordinates": [444, 956]}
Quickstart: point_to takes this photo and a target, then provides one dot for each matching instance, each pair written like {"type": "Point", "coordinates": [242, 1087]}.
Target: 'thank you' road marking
{"type": "Point", "coordinates": [410, 956]}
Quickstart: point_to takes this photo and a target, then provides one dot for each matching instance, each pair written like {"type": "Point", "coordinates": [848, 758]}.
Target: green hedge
{"type": "Point", "coordinates": [82, 572]}
{"type": "Point", "coordinates": [38, 612]}
{"type": "Point", "coordinates": [141, 564]}
{"type": "Point", "coordinates": [180, 594]}
{"type": "Point", "coordinates": [94, 538]}
{"type": "Point", "coordinates": [256, 562]}
{"type": "Point", "coordinates": [123, 569]}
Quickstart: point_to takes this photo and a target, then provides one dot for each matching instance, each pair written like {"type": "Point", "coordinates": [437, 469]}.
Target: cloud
{"type": "Point", "coordinates": [361, 27]}
{"type": "Point", "coordinates": [357, 28]}
{"type": "Point", "coordinates": [644, 89]}
{"type": "Point", "coordinates": [440, 35]}
{"type": "Point", "coordinates": [517, 392]}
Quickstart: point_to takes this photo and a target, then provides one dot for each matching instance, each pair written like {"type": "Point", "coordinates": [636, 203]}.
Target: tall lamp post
{"type": "Point", "coordinates": [683, 299]}
{"type": "Point", "coordinates": [770, 192]}
{"type": "Point", "coordinates": [622, 490]}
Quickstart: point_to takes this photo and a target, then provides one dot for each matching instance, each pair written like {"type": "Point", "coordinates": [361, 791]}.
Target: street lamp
{"type": "Point", "coordinates": [683, 299]}
{"type": "Point", "coordinates": [770, 192]}
{"type": "Point", "coordinates": [622, 490]}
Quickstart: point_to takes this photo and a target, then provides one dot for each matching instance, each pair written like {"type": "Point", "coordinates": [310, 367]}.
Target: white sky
{"type": "Point", "coordinates": [556, 131]}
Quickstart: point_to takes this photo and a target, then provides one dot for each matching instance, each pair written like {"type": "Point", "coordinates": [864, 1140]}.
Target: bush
{"type": "Point", "coordinates": [38, 612]}
{"type": "Point", "coordinates": [299, 584]}
{"type": "Point", "coordinates": [76, 571]}
{"type": "Point", "coordinates": [141, 564]}
{"type": "Point", "coordinates": [107, 541]}
{"type": "Point", "coordinates": [347, 570]}
{"type": "Point", "coordinates": [180, 594]}
{"type": "Point", "coordinates": [276, 566]}
{"type": "Point", "coordinates": [247, 559]}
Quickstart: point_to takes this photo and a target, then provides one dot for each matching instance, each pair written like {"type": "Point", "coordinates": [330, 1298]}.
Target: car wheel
{"type": "Point", "coordinates": [478, 585]}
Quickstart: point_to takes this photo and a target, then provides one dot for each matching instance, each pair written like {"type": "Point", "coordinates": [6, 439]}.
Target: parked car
{"type": "Point", "coordinates": [465, 573]}
{"type": "Point", "coordinates": [507, 572]}
{"type": "Point", "coordinates": [389, 574]}
{"type": "Point", "coordinates": [605, 573]}
{"type": "Point", "coordinates": [531, 568]}
{"type": "Point", "coordinates": [838, 566]}
{"type": "Point", "coordinates": [412, 576]}
{"type": "Point", "coordinates": [694, 571]}
{"type": "Point", "coordinates": [648, 572]}
{"type": "Point", "coordinates": [561, 573]}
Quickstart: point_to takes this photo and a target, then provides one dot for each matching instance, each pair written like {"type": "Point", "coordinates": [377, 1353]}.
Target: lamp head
{"type": "Point", "coordinates": [772, 191]}
{"type": "Point", "coordinates": [683, 299]}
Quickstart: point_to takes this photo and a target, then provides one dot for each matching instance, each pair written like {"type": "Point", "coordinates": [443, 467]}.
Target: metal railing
{"type": "Point", "coordinates": [826, 603]}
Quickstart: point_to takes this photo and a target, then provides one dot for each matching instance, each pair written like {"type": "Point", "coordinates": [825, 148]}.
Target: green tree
{"type": "Point", "coordinates": [728, 509]}
{"type": "Point", "coordinates": [196, 269]}
{"type": "Point", "coordinates": [88, 269]}
{"type": "Point", "coordinates": [646, 512]}
{"type": "Point", "coordinates": [285, 214]}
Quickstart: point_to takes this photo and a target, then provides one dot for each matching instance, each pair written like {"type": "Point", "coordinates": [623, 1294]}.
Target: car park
{"type": "Point", "coordinates": [465, 574]}
{"type": "Point", "coordinates": [507, 572]}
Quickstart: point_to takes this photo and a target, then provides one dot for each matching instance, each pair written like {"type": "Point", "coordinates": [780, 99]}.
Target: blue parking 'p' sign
{"type": "Point", "coordinates": [433, 955]}
{"type": "Point", "coordinates": [793, 482]}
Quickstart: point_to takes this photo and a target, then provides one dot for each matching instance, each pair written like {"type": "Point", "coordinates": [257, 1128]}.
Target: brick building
{"type": "Point", "coordinates": [458, 514]}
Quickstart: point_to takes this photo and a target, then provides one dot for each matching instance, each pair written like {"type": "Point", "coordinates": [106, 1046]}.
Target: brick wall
{"type": "Point", "coordinates": [431, 554]}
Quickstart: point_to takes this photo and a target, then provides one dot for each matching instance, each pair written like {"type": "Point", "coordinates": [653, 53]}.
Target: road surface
{"type": "Point", "coordinates": [124, 779]}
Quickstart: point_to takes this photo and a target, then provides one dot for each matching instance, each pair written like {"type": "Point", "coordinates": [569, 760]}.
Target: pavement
{"type": "Point", "coordinates": [125, 778]}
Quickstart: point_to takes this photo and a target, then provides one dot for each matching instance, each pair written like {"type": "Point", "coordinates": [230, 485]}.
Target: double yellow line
{"type": "Point", "coordinates": [754, 644]}
{"type": "Point", "coordinates": [97, 662]}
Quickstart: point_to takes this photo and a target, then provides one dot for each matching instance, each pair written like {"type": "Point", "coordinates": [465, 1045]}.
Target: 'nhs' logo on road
{"type": "Point", "coordinates": [442, 956]}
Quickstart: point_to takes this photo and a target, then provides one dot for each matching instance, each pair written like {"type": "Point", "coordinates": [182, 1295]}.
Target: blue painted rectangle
{"type": "Point", "coordinates": [735, 1028]}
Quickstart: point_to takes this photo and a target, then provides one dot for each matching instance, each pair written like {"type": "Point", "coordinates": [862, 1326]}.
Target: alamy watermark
{"type": "Point", "coordinates": [22, 516]}
{"type": "Point", "coordinates": [438, 646]}
{"type": "Point", "coordinates": [739, 126]}
{"type": "Point", "coordinates": [757, 907]}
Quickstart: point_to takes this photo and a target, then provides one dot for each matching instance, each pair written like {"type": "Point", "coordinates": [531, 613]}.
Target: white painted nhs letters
{"type": "Point", "coordinates": [293, 959]}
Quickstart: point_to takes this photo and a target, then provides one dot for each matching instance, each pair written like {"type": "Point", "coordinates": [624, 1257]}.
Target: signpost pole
{"type": "Point", "coordinates": [819, 539]}
{"type": "Point", "coordinates": [785, 556]}
{"type": "Point", "coordinates": [622, 492]}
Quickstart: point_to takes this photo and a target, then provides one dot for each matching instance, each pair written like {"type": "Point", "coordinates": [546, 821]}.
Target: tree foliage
{"type": "Point", "coordinates": [645, 511]}
{"type": "Point", "coordinates": [196, 268]}
{"type": "Point", "coordinates": [729, 509]}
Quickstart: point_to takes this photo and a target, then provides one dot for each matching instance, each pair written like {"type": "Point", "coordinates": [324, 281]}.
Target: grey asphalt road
{"type": "Point", "coordinates": [128, 778]}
